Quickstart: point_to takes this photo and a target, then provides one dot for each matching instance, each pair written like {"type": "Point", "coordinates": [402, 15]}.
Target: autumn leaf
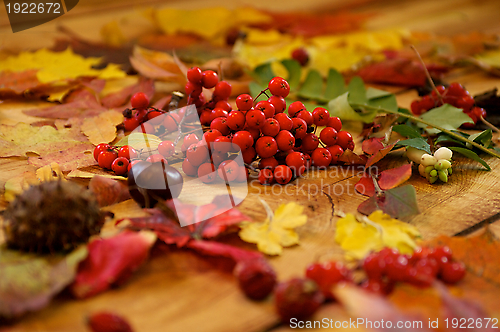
{"type": "Point", "coordinates": [111, 261]}
{"type": "Point", "coordinates": [352, 158]}
{"type": "Point", "coordinates": [398, 202]}
{"type": "Point", "coordinates": [28, 282]}
{"type": "Point", "coordinates": [372, 145]}
{"type": "Point", "coordinates": [394, 177]}
{"type": "Point", "coordinates": [57, 66]}
{"type": "Point", "coordinates": [379, 155]}
{"type": "Point", "coordinates": [365, 185]}
{"type": "Point", "coordinates": [102, 128]}
{"type": "Point", "coordinates": [360, 237]}
{"type": "Point", "coordinates": [108, 191]}
{"type": "Point", "coordinates": [277, 231]}
{"type": "Point", "coordinates": [156, 65]}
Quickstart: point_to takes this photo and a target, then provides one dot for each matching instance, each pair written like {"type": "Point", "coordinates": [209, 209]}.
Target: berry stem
{"type": "Point", "coordinates": [490, 125]}
{"type": "Point", "coordinates": [260, 94]}
{"type": "Point", "coordinates": [417, 119]}
{"type": "Point", "coordinates": [429, 78]}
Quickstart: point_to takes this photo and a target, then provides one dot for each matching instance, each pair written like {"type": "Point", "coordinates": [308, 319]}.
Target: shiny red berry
{"type": "Point", "coordinates": [209, 79]}
{"type": "Point", "coordinates": [128, 152]}
{"type": "Point", "coordinates": [139, 100]}
{"type": "Point", "coordinates": [106, 158]}
{"type": "Point", "coordinates": [278, 86]}
{"type": "Point", "coordinates": [99, 148]}
{"type": "Point", "coordinates": [120, 165]}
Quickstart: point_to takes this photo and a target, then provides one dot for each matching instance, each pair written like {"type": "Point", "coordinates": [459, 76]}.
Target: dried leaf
{"type": "Point", "coordinates": [273, 234]}
{"type": "Point", "coordinates": [394, 177]}
{"type": "Point", "coordinates": [359, 238]}
{"type": "Point", "coordinates": [111, 262]}
{"type": "Point", "coordinates": [365, 185]}
{"type": "Point", "coordinates": [16, 185]}
{"type": "Point", "coordinates": [122, 97]}
{"type": "Point", "coordinates": [351, 158]}
{"type": "Point", "coordinates": [398, 202]}
{"type": "Point", "coordinates": [108, 191]}
{"type": "Point", "coordinates": [28, 282]}
{"type": "Point", "coordinates": [57, 66]}
{"type": "Point", "coordinates": [102, 128]}
{"type": "Point", "coordinates": [379, 155]}
{"type": "Point", "coordinates": [71, 158]}
{"type": "Point", "coordinates": [372, 145]}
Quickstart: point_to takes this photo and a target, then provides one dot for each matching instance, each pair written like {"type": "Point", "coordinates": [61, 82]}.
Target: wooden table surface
{"type": "Point", "coordinates": [178, 290]}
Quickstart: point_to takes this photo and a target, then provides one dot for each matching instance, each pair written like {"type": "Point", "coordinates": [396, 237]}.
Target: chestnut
{"type": "Point", "coordinates": [150, 182]}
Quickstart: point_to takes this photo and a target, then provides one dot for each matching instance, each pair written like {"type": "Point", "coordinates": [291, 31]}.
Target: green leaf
{"type": "Point", "coordinates": [446, 116]}
{"type": "Point", "coordinates": [398, 202]}
{"type": "Point", "coordinates": [28, 282]}
{"type": "Point", "coordinates": [483, 138]}
{"type": "Point", "coordinates": [471, 155]}
{"type": "Point", "coordinates": [255, 88]}
{"type": "Point", "coordinates": [312, 88]}
{"type": "Point", "coordinates": [341, 108]}
{"type": "Point", "coordinates": [357, 91]}
{"type": "Point", "coordinates": [263, 73]}
{"type": "Point", "coordinates": [372, 93]}
{"type": "Point", "coordinates": [388, 102]}
{"type": "Point", "coordinates": [444, 138]}
{"type": "Point", "coordinates": [335, 85]}
{"type": "Point", "coordinates": [406, 131]}
{"type": "Point", "coordinates": [294, 72]}
{"type": "Point", "coordinates": [417, 143]}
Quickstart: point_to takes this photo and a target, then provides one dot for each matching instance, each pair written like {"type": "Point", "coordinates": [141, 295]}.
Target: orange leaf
{"type": "Point", "coordinates": [379, 155]}
{"type": "Point", "coordinates": [352, 158]}
{"type": "Point", "coordinates": [393, 177]}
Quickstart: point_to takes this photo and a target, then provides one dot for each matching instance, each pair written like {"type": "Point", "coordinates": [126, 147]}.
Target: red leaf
{"type": "Point", "coordinates": [398, 71]}
{"type": "Point", "coordinates": [393, 177]}
{"type": "Point", "coordinates": [365, 186]}
{"type": "Point", "coordinates": [352, 158]}
{"type": "Point", "coordinates": [218, 249]}
{"type": "Point", "coordinates": [18, 82]}
{"type": "Point", "coordinates": [108, 191]}
{"type": "Point", "coordinates": [372, 145]}
{"type": "Point", "coordinates": [110, 262]}
{"type": "Point", "coordinates": [122, 97]}
{"type": "Point", "coordinates": [379, 155]}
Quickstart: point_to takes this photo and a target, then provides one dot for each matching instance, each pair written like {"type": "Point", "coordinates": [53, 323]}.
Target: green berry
{"type": "Point", "coordinates": [433, 173]}
{"type": "Point", "coordinates": [428, 169]}
{"type": "Point", "coordinates": [450, 171]}
{"type": "Point", "coordinates": [442, 164]}
{"type": "Point", "coordinates": [443, 176]}
{"type": "Point", "coordinates": [433, 179]}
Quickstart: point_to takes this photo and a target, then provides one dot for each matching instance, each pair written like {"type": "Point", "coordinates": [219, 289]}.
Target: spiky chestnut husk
{"type": "Point", "coordinates": [50, 217]}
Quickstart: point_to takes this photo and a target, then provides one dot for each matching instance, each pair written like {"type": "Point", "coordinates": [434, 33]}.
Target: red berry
{"type": "Point", "coordinates": [306, 116]}
{"type": "Point", "coordinates": [255, 118]}
{"type": "Point", "coordinates": [193, 90]}
{"type": "Point", "coordinates": [343, 139]}
{"type": "Point", "coordinates": [108, 322]}
{"type": "Point", "coordinates": [335, 123]}
{"type": "Point", "coordinates": [131, 123]}
{"type": "Point", "coordinates": [266, 176]}
{"type": "Point", "coordinates": [376, 286]}
{"type": "Point", "coordinates": [206, 173]}
{"type": "Point", "coordinates": [221, 125]}
{"type": "Point", "coordinates": [132, 163]}
{"type": "Point", "coordinates": [285, 140]}
{"type": "Point", "coordinates": [297, 298]}
{"type": "Point", "coordinates": [326, 275]}
{"type": "Point", "coordinates": [120, 165]}
{"type": "Point", "coordinates": [282, 174]}
{"type": "Point", "coordinates": [219, 113]}
{"type": "Point", "coordinates": [147, 128]}
{"type": "Point", "coordinates": [248, 155]}
{"type": "Point", "coordinates": [166, 149]}
{"type": "Point", "coordinates": [295, 108]}
{"type": "Point", "coordinates": [457, 90]}
{"type": "Point", "coordinates": [139, 100]}
{"type": "Point", "coordinates": [217, 158]}
{"type": "Point", "coordinates": [243, 139]}
{"type": "Point", "coordinates": [270, 163]}
{"type": "Point", "coordinates": [336, 151]}
{"type": "Point", "coordinates": [453, 272]}
{"type": "Point", "coordinates": [279, 103]}
{"type": "Point", "coordinates": [299, 129]}
{"type": "Point", "coordinates": [328, 136]}
{"type": "Point", "coordinates": [374, 266]}
{"type": "Point", "coordinates": [171, 122]}
{"type": "Point", "coordinates": [155, 158]}
{"type": "Point", "coordinates": [155, 117]}
{"type": "Point", "coordinates": [242, 174]}
{"type": "Point", "coordinates": [266, 147]}
{"type": "Point", "coordinates": [194, 75]}
{"type": "Point", "coordinates": [301, 56]}
{"type": "Point", "coordinates": [236, 120]}
{"type": "Point", "coordinates": [190, 139]}
{"type": "Point", "coordinates": [244, 102]}
{"type": "Point", "coordinates": [320, 116]}
{"type": "Point", "coordinates": [255, 132]}
{"type": "Point", "coordinates": [206, 117]}
{"type": "Point", "coordinates": [271, 127]}
{"type": "Point", "coordinates": [222, 144]}
{"type": "Point", "coordinates": [128, 152]}
{"type": "Point", "coordinates": [106, 158]}
{"type": "Point", "coordinates": [465, 103]}
{"type": "Point", "coordinates": [197, 154]}
{"type": "Point", "coordinates": [209, 79]}
{"type": "Point", "coordinates": [210, 136]}
{"type": "Point", "coordinates": [256, 278]}
{"type": "Point", "coordinates": [100, 148]}
{"type": "Point", "coordinates": [310, 142]}
{"type": "Point", "coordinates": [279, 87]}
{"type": "Point", "coordinates": [284, 120]}
{"type": "Point", "coordinates": [440, 252]}
{"type": "Point", "coordinates": [396, 267]}
{"type": "Point", "coordinates": [222, 90]}
{"type": "Point", "coordinates": [189, 169]}
{"type": "Point", "coordinates": [321, 157]}
{"type": "Point", "coordinates": [228, 170]}
{"type": "Point", "coordinates": [266, 107]}
{"type": "Point", "coordinates": [296, 162]}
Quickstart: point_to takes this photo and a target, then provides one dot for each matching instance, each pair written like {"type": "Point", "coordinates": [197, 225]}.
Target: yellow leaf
{"type": "Point", "coordinates": [141, 141]}
{"type": "Point", "coordinates": [275, 233]}
{"type": "Point", "coordinates": [102, 128]}
{"type": "Point", "coordinates": [88, 175]}
{"type": "Point", "coordinates": [379, 230]}
{"type": "Point", "coordinates": [56, 66]}
{"type": "Point", "coordinates": [112, 34]}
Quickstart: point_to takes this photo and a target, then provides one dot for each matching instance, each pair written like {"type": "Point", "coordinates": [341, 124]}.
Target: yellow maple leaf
{"type": "Point", "coordinates": [102, 128]}
{"type": "Point", "coordinates": [372, 233]}
{"type": "Point", "coordinates": [276, 231]}
{"type": "Point", "coordinates": [57, 66]}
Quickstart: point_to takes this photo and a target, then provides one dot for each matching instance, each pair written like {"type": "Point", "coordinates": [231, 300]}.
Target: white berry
{"type": "Point", "coordinates": [428, 160]}
{"type": "Point", "coordinates": [443, 153]}
{"type": "Point", "coordinates": [414, 154]}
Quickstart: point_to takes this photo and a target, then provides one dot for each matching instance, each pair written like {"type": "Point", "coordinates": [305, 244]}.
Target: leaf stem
{"type": "Point", "coordinates": [417, 119]}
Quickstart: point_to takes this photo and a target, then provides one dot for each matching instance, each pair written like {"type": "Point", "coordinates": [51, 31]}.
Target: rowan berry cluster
{"type": "Point", "coordinates": [113, 158]}
{"type": "Point", "coordinates": [455, 95]}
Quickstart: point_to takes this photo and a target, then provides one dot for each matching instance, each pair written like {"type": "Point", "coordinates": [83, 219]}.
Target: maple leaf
{"type": "Point", "coordinates": [111, 262]}
{"type": "Point", "coordinates": [372, 233]}
{"type": "Point", "coordinates": [57, 66]}
{"type": "Point", "coordinates": [29, 282]}
{"type": "Point", "coordinates": [277, 231]}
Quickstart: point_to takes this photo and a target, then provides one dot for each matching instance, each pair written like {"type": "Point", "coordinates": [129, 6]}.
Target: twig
{"type": "Point", "coordinates": [427, 74]}
{"type": "Point", "coordinates": [490, 125]}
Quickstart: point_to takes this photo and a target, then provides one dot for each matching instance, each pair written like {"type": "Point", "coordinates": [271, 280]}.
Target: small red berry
{"type": "Point", "coordinates": [343, 139]}
{"type": "Point", "coordinates": [335, 123]}
{"type": "Point", "coordinates": [299, 129]}
{"type": "Point", "coordinates": [108, 322]}
{"type": "Point", "coordinates": [243, 139]}
{"type": "Point", "coordinates": [236, 120]}
{"type": "Point", "coordinates": [320, 116]}
{"type": "Point", "coordinates": [197, 154]}
{"type": "Point", "coordinates": [266, 107]}
{"type": "Point", "coordinates": [222, 144]}
{"type": "Point", "coordinates": [194, 75]}
{"type": "Point", "coordinates": [222, 90]}
{"type": "Point", "coordinates": [279, 87]}
{"type": "Point", "coordinates": [139, 100]}
{"type": "Point", "coordinates": [285, 140]}
{"type": "Point", "coordinates": [256, 278]}
{"type": "Point", "coordinates": [279, 103]}
{"type": "Point", "coordinates": [301, 56]}
{"type": "Point", "coordinates": [120, 165]}
{"type": "Point", "coordinates": [321, 157]}
{"type": "Point", "coordinates": [155, 158]}
{"type": "Point", "coordinates": [166, 149]}
{"type": "Point", "coordinates": [306, 116]}
{"type": "Point", "coordinates": [270, 163]}
{"type": "Point", "coordinates": [248, 155]}
{"type": "Point", "coordinates": [255, 118]}
{"type": "Point", "coordinates": [297, 298]}
{"type": "Point", "coordinates": [221, 125]}
{"type": "Point", "coordinates": [295, 108]}
{"type": "Point", "coordinates": [266, 147]}
{"type": "Point", "coordinates": [209, 79]}
{"type": "Point", "coordinates": [106, 158]}
{"type": "Point", "coordinates": [453, 272]}
{"type": "Point", "coordinates": [100, 148]}
{"type": "Point", "coordinates": [271, 127]}
{"type": "Point", "coordinates": [189, 169]}
{"type": "Point", "coordinates": [266, 176]}
{"type": "Point", "coordinates": [228, 170]}
{"type": "Point", "coordinates": [310, 142]}
{"type": "Point", "coordinates": [296, 162]}
{"type": "Point", "coordinates": [131, 123]}
{"type": "Point", "coordinates": [328, 136]}
{"type": "Point", "coordinates": [244, 102]}
{"type": "Point", "coordinates": [282, 174]}
{"type": "Point", "coordinates": [206, 173]}
{"type": "Point", "coordinates": [285, 121]}
{"type": "Point", "coordinates": [171, 122]}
